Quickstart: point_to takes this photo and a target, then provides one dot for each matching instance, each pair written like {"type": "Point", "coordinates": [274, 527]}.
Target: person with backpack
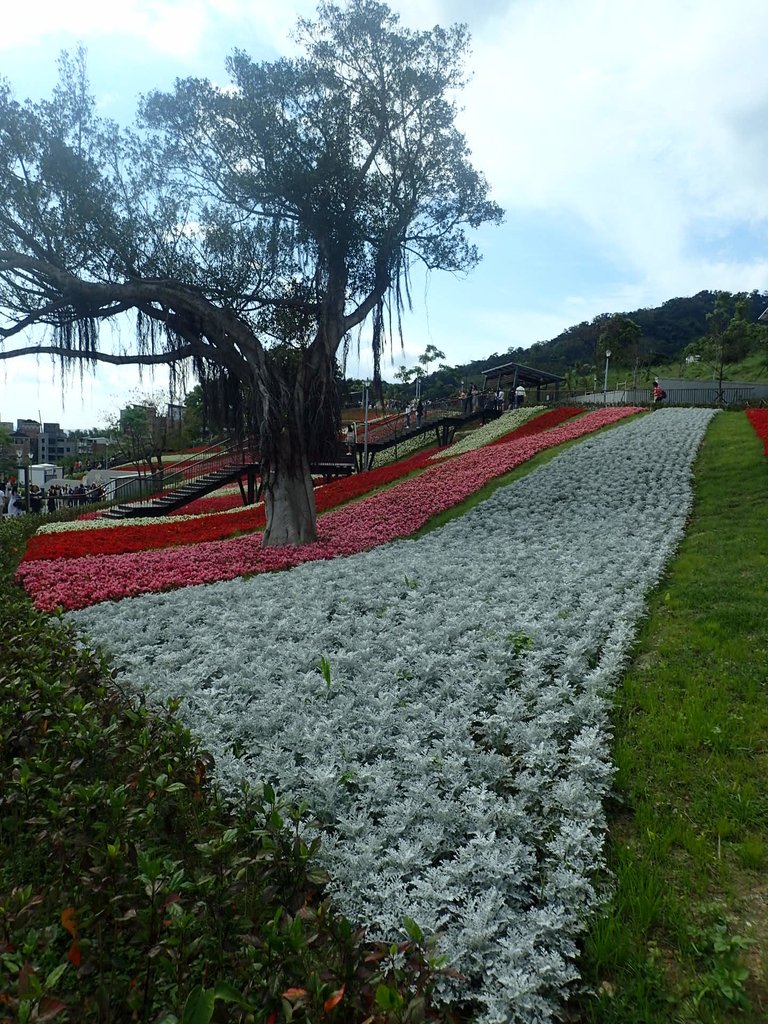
{"type": "Point", "coordinates": [659, 394]}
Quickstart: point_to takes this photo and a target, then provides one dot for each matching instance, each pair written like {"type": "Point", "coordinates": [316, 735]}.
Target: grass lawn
{"type": "Point", "coordinates": [689, 827]}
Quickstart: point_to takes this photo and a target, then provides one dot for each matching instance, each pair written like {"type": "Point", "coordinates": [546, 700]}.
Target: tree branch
{"type": "Point", "coordinates": [102, 357]}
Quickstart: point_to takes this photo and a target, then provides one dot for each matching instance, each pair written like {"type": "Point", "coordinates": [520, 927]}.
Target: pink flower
{"type": "Point", "coordinates": [358, 526]}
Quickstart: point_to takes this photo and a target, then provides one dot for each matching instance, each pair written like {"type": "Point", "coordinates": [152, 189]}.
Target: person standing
{"type": "Point", "coordinates": [15, 505]}
{"type": "Point", "coordinates": [419, 412]}
{"type": "Point", "coordinates": [519, 396]}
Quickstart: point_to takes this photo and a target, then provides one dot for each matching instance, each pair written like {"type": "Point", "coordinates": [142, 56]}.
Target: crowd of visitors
{"type": "Point", "coordinates": [474, 400]}
{"type": "Point", "coordinates": [13, 499]}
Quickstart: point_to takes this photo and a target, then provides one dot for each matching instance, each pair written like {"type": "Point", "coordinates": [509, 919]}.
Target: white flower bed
{"type": "Point", "coordinates": [108, 524]}
{"type": "Point", "coordinates": [404, 449]}
{"type": "Point", "coordinates": [460, 753]}
{"type": "Point", "coordinates": [491, 431]}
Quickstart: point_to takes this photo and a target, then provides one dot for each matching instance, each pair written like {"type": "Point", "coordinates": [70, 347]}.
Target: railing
{"type": "Point", "coordinates": [142, 490]}
{"type": "Point", "coordinates": [704, 395]}
{"type": "Point", "coordinates": [393, 427]}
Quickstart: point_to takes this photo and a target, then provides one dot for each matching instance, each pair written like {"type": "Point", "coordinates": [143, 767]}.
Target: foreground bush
{"type": "Point", "coordinates": [128, 890]}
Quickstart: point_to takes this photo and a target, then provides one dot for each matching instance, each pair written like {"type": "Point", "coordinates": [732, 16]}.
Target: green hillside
{"type": "Point", "coordinates": [643, 343]}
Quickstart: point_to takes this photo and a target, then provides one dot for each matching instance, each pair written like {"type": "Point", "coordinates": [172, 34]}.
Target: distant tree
{"type": "Point", "coordinates": [249, 228]}
{"type": "Point", "coordinates": [405, 375]}
{"type": "Point", "coordinates": [429, 356]}
{"type": "Point", "coordinates": [732, 334]}
{"type": "Point", "coordinates": [621, 336]}
{"type": "Point", "coordinates": [194, 424]}
{"type": "Point", "coordinates": [208, 416]}
{"type": "Point", "coordinates": [8, 460]}
{"type": "Point", "coordinates": [141, 434]}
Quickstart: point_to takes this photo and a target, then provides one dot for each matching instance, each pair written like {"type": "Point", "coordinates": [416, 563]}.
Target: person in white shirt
{"type": "Point", "coordinates": [15, 505]}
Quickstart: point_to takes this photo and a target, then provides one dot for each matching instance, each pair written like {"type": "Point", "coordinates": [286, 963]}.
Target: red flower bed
{"type": "Point", "coordinates": [395, 512]}
{"type": "Point", "coordinates": [552, 418]}
{"type": "Point", "coordinates": [126, 539]}
{"type": "Point", "coordinates": [378, 429]}
{"type": "Point", "coordinates": [115, 540]}
{"type": "Point", "coordinates": [759, 420]}
{"type": "Point", "coordinates": [206, 506]}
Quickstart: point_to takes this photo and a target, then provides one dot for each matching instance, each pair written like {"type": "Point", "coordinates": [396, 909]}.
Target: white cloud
{"type": "Point", "coordinates": [640, 119]}
{"type": "Point", "coordinates": [166, 26]}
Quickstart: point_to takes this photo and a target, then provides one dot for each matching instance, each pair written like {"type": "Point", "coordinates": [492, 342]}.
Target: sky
{"type": "Point", "coordinates": [627, 142]}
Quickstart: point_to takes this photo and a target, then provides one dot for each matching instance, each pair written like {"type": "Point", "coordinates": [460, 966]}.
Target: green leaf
{"type": "Point", "coordinates": [198, 1008]}
{"type": "Point", "coordinates": [229, 994]}
{"type": "Point", "coordinates": [56, 973]}
{"type": "Point", "coordinates": [388, 998]}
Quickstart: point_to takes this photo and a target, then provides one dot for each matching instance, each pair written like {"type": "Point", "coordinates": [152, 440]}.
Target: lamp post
{"type": "Point", "coordinates": [605, 382]}
{"type": "Point", "coordinates": [365, 429]}
{"type": "Point", "coordinates": [22, 454]}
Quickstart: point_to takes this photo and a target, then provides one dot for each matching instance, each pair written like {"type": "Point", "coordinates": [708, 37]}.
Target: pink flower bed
{"type": "Point", "coordinates": [378, 519]}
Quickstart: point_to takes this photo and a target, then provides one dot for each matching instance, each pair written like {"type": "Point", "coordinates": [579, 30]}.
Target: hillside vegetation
{"type": "Point", "coordinates": [722, 329]}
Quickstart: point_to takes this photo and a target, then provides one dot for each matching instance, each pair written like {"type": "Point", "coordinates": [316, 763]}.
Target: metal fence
{"type": "Point", "coordinates": [737, 396]}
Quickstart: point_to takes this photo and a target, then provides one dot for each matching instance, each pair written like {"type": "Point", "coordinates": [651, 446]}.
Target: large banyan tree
{"type": "Point", "coordinates": [247, 228]}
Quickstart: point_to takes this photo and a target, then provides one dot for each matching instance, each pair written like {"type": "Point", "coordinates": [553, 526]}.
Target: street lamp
{"type": "Point", "coordinates": [21, 454]}
{"type": "Point", "coordinates": [605, 383]}
{"type": "Point", "coordinates": [365, 431]}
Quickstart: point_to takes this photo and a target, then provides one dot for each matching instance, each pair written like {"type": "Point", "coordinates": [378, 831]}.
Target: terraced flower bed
{"type": "Point", "coordinates": [381, 518]}
{"type": "Point", "coordinates": [442, 705]}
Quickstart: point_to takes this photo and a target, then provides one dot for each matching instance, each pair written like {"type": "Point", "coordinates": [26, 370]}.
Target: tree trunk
{"type": "Point", "coordinates": [298, 416]}
{"type": "Point", "coordinates": [289, 498]}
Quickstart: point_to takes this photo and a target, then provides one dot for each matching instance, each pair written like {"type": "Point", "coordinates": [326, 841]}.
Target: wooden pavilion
{"type": "Point", "coordinates": [510, 375]}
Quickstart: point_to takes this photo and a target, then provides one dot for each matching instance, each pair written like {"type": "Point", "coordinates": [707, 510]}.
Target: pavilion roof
{"type": "Point", "coordinates": [523, 374]}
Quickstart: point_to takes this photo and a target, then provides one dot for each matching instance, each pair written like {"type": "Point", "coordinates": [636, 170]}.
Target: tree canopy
{"type": "Point", "coordinates": [247, 228]}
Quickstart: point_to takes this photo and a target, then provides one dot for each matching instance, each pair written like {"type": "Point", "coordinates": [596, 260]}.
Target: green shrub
{"type": "Point", "coordinates": [129, 891]}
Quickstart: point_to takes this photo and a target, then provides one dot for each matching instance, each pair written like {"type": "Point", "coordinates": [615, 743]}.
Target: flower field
{"type": "Point", "coordinates": [759, 420]}
{"type": "Point", "coordinates": [145, 563]}
{"type": "Point", "coordinates": [441, 704]}
{"type": "Point", "coordinates": [494, 430]}
{"type": "Point", "coordinates": [145, 534]}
